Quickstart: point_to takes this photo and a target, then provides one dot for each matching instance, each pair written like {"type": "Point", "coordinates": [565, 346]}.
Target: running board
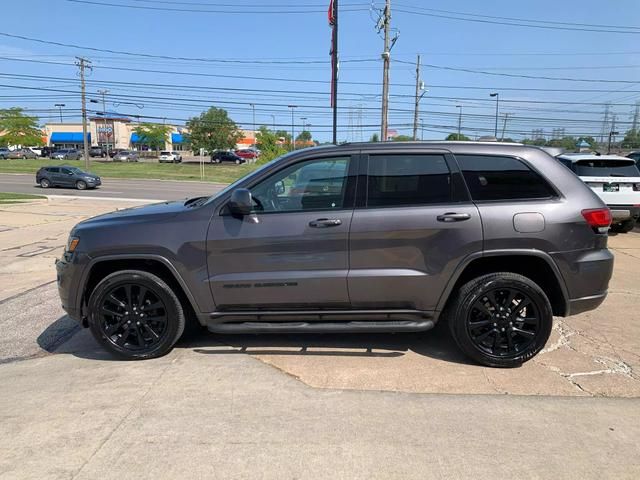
{"type": "Point", "coordinates": [322, 327]}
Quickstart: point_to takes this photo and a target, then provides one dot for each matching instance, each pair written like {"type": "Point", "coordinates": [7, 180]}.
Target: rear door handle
{"type": "Point", "coordinates": [325, 222]}
{"type": "Point", "coordinates": [453, 217]}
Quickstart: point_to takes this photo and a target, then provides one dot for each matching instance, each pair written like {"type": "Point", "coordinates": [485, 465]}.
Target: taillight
{"type": "Point", "coordinates": [598, 218]}
{"type": "Point", "coordinates": [636, 187]}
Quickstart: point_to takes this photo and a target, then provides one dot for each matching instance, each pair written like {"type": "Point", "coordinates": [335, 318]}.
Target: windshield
{"type": "Point", "coordinates": [607, 168]}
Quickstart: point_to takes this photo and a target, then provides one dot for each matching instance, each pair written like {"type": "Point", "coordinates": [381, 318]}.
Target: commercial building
{"type": "Point", "coordinates": [112, 131]}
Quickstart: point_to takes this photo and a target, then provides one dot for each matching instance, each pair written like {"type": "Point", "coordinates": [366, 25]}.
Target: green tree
{"type": "Point", "coordinates": [213, 130]}
{"type": "Point", "coordinates": [304, 136]}
{"type": "Point", "coordinates": [269, 144]}
{"type": "Point", "coordinates": [631, 139]}
{"type": "Point", "coordinates": [540, 142]}
{"type": "Point", "coordinates": [402, 138]}
{"type": "Point", "coordinates": [16, 128]}
{"type": "Point", "coordinates": [374, 138]}
{"type": "Point", "coordinates": [153, 134]}
{"type": "Point", "coordinates": [568, 143]}
{"type": "Point", "coordinates": [455, 136]}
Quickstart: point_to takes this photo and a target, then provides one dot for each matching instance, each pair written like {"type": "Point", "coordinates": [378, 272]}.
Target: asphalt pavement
{"type": "Point", "coordinates": [114, 188]}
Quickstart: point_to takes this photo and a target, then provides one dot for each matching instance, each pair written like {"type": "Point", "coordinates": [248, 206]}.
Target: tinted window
{"type": "Point", "coordinates": [607, 168]}
{"type": "Point", "coordinates": [65, 171]}
{"type": "Point", "coordinates": [53, 170]}
{"type": "Point", "coordinates": [408, 180]}
{"type": "Point", "coordinates": [502, 178]}
{"type": "Point", "coordinates": [310, 185]}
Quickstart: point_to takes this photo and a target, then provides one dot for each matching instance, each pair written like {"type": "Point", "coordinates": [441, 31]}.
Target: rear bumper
{"type": "Point", "coordinates": [586, 274]}
{"type": "Point", "coordinates": [621, 213]}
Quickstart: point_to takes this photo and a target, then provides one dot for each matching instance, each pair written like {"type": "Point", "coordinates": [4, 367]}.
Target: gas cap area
{"type": "Point", "coordinates": [528, 222]}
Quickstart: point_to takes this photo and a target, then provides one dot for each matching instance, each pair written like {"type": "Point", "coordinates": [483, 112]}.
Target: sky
{"type": "Point", "coordinates": [233, 54]}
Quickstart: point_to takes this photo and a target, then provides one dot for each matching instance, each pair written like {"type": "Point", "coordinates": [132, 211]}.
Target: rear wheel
{"type": "Point", "coordinates": [81, 185]}
{"type": "Point", "coordinates": [624, 227]}
{"type": "Point", "coordinates": [238, 162]}
{"type": "Point", "coordinates": [44, 183]}
{"type": "Point", "coordinates": [501, 319]}
{"type": "Point", "coordinates": [135, 315]}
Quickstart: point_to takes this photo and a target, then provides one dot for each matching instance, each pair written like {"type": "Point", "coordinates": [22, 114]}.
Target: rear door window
{"type": "Point", "coordinates": [405, 180]}
{"type": "Point", "coordinates": [53, 170]}
{"type": "Point", "coordinates": [492, 178]}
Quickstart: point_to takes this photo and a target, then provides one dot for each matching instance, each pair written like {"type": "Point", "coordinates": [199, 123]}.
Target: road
{"type": "Point", "coordinates": [114, 188]}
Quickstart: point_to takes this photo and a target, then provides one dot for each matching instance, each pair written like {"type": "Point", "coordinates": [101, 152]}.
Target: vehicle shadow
{"type": "Point", "coordinates": [436, 344]}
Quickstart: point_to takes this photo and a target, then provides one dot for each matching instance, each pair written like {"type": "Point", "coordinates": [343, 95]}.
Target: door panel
{"type": "Point", "coordinates": [403, 258]}
{"type": "Point", "coordinates": [412, 230]}
{"type": "Point", "coordinates": [292, 251]}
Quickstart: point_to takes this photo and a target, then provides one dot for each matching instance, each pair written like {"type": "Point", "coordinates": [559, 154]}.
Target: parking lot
{"type": "Point", "coordinates": [273, 406]}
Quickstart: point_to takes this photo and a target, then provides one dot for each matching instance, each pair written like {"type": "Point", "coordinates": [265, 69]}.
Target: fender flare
{"type": "Point", "coordinates": [462, 266]}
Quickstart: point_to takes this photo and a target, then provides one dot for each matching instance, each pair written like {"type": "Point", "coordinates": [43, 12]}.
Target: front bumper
{"type": "Point", "coordinates": [69, 271]}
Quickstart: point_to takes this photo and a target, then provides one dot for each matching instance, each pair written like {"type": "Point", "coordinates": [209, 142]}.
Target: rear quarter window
{"type": "Point", "coordinates": [494, 178]}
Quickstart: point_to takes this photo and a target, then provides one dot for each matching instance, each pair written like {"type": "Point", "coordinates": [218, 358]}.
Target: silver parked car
{"type": "Point", "coordinates": [125, 156]}
{"type": "Point", "coordinates": [67, 154]}
{"type": "Point", "coordinates": [491, 238]}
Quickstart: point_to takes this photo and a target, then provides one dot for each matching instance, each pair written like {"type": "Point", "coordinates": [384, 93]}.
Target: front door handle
{"type": "Point", "coordinates": [453, 217]}
{"type": "Point", "coordinates": [325, 222]}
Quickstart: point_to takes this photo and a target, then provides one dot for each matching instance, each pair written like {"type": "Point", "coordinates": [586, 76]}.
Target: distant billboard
{"type": "Point", "coordinates": [105, 131]}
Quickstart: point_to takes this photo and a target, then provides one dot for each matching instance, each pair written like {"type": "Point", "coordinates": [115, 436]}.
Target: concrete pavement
{"type": "Point", "coordinates": [114, 188]}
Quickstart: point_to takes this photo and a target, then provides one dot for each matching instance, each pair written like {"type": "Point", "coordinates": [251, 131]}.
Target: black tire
{"type": "Point", "coordinates": [123, 333]}
{"type": "Point", "coordinates": [45, 183]}
{"type": "Point", "coordinates": [237, 162]}
{"type": "Point", "coordinates": [81, 185]}
{"type": "Point", "coordinates": [497, 332]}
{"type": "Point", "coordinates": [624, 227]}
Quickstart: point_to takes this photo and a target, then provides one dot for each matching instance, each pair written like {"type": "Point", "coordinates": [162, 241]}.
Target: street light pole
{"type": "Point", "coordinates": [60, 105]}
{"type": "Point", "coordinates": [293, 142]}
{"type": "Point", "coordinates": [497, 95]}
{"type": "Point", "coordinates": [459, 120]}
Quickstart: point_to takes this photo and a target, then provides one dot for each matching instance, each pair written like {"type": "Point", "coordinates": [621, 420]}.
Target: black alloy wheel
{"type": "Point", "coordinates": [500, 319]}
{"type": "Point", "coordinates": [135, 315]}
{"type": "Point", "coordinates": [503, 322]}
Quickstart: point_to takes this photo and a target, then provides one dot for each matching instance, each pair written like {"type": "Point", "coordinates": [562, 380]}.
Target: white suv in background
{"type": "Point", "coordinates": [616, 180]}
{"type": "Point", "coordinates": [170, 157]}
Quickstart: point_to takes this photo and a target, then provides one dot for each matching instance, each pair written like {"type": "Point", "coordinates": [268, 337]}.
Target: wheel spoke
{"type": "Point", "coordinates": [153, 306]}
{"type": "Point", "coordinates": [492, 299]}
{"type": "Point", "coordinates": [129, 299]}
{"type": "Point", "coordinates": [524, 304]}
{"type": "Point", "coordinates": [509, 340]}
{"type": "Point", "coordinates": [113, 328]}
{"type": "Point", "coordinates": [483, 308]}
{"type": "Point", "coordinates": [117, 301]}
{"type": "Point", "coordinates": [108, 311]}
{"type": "Point", "coordinates": [524, 333]}
{"type": "Point", "coordinates": [510, 298]}
{"type": "Point", "coordinates": [141, 340]}
{"type": "Point", "coordinates": [151, 330]}
{"type": "Point", "coordinates": [484, 335]}
{"type": "Point", "coordinates": [156, 318]}
{"type": "Point", "coordinates": [496, 339]}
{"type": "Point", "coordinates": [479, 324]}
{"type": "Point", "coordinates": [141, 294]}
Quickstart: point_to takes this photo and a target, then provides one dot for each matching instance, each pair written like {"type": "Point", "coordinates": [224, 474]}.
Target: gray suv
{"type": "Point", "coordinates": [493, 239]}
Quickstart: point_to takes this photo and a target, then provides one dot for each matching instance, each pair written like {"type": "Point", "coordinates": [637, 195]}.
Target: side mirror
{"type": "Point", "coordinates": [240, 203]}
{"type": "Point", "coordinates": [279, 187]}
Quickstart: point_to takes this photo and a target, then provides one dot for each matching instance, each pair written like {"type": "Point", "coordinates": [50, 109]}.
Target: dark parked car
{"type": "Point", "coordinates": [125, 156]}
{"type": "Point", "coordinates": [491, 238]}
{"type": "Point", "coordinates": [22, 153]}
{"type": "Point", "coordinates": [47, 152]}
{"type": "Point", "coordinates": [219, 157]}
{"type": "Point", "coordinates": [66, 154]}
{"type": "Point", "coordinates": [4, 153]}
{"type": "Point", "coordinates": [65, 176]}
{"type": "Point", "coordinates": [97, 151]}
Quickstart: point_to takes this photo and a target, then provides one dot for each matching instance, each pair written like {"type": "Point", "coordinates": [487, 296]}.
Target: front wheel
{"type": "Point", "coordinates": [44, 183]}
{"type": "Point", "coordinates": [81, 185]}
{"type": "Point", "coordinates": [500, 319]}
{"type": "Point", "coordinates": [135, 315]}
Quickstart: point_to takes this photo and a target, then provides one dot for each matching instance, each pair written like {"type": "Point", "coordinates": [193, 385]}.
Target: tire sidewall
{"type": "Point", "coordinates": [81, 185]}
{"type": "Point", "coordinates": [175, 316]}
{"type": "Point", "coordinates": [470, 293]}
{"type": "Point", "coordinates": [44, 183]}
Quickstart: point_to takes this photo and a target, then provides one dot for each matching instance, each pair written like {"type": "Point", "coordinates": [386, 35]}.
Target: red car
{"type": "Point", "coordinates": [247, 153]}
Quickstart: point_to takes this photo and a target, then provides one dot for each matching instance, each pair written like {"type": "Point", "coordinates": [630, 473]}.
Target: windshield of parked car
{"type": "Point", "coordinates": [607, 168]}
{"type": "Point", "coordinates": [165, 153]}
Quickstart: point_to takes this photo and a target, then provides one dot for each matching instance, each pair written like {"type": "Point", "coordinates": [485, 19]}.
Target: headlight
{"type": "Point", "coordinates": [72, 244]}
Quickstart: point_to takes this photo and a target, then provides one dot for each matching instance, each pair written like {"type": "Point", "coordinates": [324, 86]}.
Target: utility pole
{"type": "Point", "coordinates": [605, 123]}
{"type": "Point", "coordinates": [273, 121]}
{"type": "Point", "coordinates": [386, 58]}
{"type": "Point", "coordinates": [60, 105]}
{"type": "Point", "coordinates": [333, 22]}
{"type": "Point", "coordinates": [293, 141]}
{"type": "Point", "coordinates": [459, 120]}
{"type": "Point", "coordinates": [253, 108]}
{"type": "Point", "coordinates": [83, 63]}
{"type": "Point", "coordinates": [419, 87]}
{"type": "Point", "coordinates": [636, 117]}
{"type": "Point", "coordinates": [612, 132]}
{"type": "Point", "coordinates": [497, 95]}
{"type": "Point", "coordinates": [104, 118]}
{"type": "Point", "coordinates": [504, 126]}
